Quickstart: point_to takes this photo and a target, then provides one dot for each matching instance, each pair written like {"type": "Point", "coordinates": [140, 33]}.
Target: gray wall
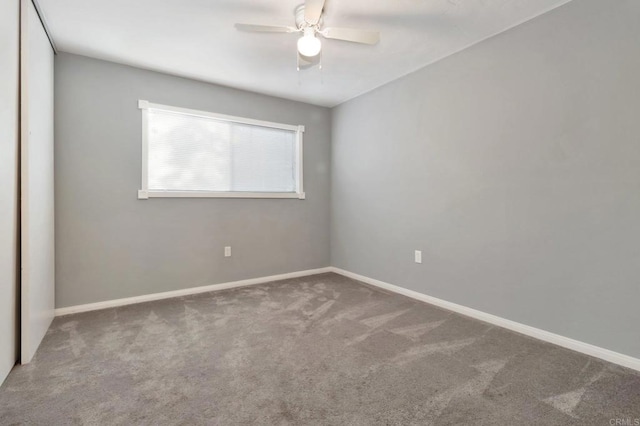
{"type": "Point", "coordinates": [9, 108]}
{"type": "Point", "coordinates": [111, 245]}
{"type": "Point", "coordinates": [515, 167]}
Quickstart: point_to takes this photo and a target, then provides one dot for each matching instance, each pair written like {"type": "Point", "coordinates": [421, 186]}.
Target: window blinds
{"type": "Point", "coordinates": [196, 153]}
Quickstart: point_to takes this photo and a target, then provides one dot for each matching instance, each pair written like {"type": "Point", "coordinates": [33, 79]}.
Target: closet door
{"type": "Point", "coordinates": [9, 232]}
{"type": "Point", "coordinates": [37, 224]}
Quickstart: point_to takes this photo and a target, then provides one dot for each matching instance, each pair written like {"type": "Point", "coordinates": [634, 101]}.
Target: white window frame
{"type": "Point", "coordinates": [145, 193]}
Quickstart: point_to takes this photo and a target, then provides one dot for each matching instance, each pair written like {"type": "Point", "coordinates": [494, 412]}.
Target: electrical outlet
{"type": "Point", "coordinates": [417, 256]}
{"type": "Point", "coordinates": [227, 251]}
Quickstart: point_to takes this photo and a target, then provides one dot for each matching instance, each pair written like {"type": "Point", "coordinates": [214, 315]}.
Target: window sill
{"type": "Point", "coordinates": [143, 195]}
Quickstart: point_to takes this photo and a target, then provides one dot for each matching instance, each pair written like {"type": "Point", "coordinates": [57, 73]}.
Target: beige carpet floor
{"type": "Point", "coordinates": [320, 350]}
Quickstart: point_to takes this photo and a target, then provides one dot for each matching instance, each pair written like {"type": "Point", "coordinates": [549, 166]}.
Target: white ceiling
{"type": "Point", "coordinates": [197, 39]}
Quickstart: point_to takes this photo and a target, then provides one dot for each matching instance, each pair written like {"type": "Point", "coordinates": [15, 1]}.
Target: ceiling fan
{"type": "Point", "coordinates": [309, 22]}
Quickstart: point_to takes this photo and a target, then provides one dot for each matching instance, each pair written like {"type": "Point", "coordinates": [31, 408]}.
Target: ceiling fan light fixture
{"type": "Point", "coordinates": [309, 45]}
{"type": "Point", "coordinates": [310, 22]}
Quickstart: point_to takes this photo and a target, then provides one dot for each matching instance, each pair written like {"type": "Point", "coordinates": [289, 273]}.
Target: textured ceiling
{"type": "Point", "coordinates": [197, 39]}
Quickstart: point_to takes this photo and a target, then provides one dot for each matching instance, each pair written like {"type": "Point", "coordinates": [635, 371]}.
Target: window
{"type": "Point", "coordinates": [187, 153]}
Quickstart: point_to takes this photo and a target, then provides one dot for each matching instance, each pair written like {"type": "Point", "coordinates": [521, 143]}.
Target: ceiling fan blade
{"type": "Point", "coordinates": [427, 22]}
{"type": "Point", "coordinates": [355, 36]}
{"type": "Point", "coordinates": [313, 10]}
{"type": "Point", "coordinates": [265, 28]}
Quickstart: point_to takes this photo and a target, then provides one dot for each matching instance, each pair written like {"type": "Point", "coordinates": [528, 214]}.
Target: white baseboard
{"type": "Point", "coordinates": [185, 292]}
{"type": "Point", "coordinates": [565, 342]}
